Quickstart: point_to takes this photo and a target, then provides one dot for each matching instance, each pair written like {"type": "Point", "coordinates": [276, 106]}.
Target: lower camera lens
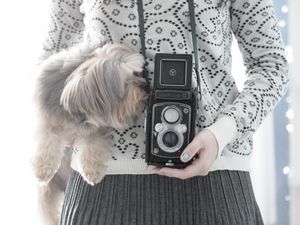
{"type": "Point", "coordinates": [170, 139]}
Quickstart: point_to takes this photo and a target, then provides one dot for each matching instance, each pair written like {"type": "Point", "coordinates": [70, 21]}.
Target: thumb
{"type": "Point", "coordinates": [191, 150]}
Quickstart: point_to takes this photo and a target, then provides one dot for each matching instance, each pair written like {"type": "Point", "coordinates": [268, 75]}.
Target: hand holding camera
{"type": "Point", "coordinates": [205, 146]}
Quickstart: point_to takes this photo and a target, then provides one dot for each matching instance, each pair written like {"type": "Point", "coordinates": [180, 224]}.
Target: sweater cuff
{"type": "Point", "coordinates": [225, 131]}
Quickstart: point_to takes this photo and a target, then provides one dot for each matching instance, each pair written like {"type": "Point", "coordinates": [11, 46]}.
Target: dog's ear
{"type": "Point", "coordinates": [127, 59]}
{"type": "Point", "coordinates": [97, 85]}
{"type": "Point", "coordinates": [81, 96]}
{"type": "Point", "coordinates": [116, 64]}
{"type": "Point", "coordinates": [131, 106]}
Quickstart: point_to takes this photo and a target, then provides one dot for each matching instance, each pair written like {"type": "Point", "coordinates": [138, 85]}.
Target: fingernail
{"type": "Point", "coordinates": [185, 157]}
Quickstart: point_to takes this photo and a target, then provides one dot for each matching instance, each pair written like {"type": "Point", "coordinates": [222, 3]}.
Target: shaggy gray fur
{"type": "Point", "coordinates": [82, 93]}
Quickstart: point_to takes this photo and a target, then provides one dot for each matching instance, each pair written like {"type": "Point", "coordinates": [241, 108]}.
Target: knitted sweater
{"type": "Point", "coordinates": [231, 115]}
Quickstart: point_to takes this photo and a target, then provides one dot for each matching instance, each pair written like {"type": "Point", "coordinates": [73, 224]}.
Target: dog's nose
{"type": "Point", "coordinates": [145, 86]}
{"type": "Point", "coordinates": [138, 74]}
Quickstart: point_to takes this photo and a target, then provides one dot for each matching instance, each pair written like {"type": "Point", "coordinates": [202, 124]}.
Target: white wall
{"type": "Point", "coordinates": [22, 24]}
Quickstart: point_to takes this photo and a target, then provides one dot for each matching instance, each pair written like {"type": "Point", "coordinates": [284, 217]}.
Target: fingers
{"type": "Point", "coordinates": [198, 168]}
{"type": "Point", "coordinates": [191, 150]}
{"type": "Point", "coordinates": [183, 174]}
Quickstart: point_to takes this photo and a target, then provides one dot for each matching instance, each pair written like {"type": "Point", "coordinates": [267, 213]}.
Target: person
{"type": "Point", "coordinates": [216, 188]}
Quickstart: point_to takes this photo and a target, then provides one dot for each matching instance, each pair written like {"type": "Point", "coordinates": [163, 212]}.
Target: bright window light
{"type": "Point", "coordinates": [23, 25]}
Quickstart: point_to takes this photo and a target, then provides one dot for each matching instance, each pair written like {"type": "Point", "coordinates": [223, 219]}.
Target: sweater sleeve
{"type": "Point", "coordinates": [65, 28]}
{"type": "Point", "coordinates": [255, 27]}
{"type": "Point", "coordinates": [223, 123]}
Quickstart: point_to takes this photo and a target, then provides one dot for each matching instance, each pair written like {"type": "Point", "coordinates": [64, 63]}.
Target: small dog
{"type": "Point", "coordinates": [82, 94]}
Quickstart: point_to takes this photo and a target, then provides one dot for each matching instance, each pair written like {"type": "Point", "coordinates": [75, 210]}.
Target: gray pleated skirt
{"type": "Point", "coordinates": [220, 198]}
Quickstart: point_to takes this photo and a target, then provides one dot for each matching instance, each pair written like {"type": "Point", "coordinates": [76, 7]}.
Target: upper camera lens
{"type": "Point", "coordinates": [170, 139]}
{"type": "Point", "coordinates": [171, 115]}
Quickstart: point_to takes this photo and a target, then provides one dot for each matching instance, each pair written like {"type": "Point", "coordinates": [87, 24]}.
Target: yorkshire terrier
{"type": "Point", "coordinates": [82, 94]}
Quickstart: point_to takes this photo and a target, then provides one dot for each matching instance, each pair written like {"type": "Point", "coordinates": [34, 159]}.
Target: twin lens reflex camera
{"type": "Point", "coordinates": [171, 111]}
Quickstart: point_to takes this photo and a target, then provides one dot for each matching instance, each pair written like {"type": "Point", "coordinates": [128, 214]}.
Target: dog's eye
{"type": "Point", "coordinates": [81, 117]}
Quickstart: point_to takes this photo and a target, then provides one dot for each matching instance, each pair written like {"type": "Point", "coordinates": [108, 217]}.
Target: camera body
{"type": "Point", "coordinates": [171, 111]}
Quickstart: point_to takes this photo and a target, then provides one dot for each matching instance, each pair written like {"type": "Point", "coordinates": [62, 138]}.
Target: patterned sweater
{"type": "Point", "coordinates": [231, 115]}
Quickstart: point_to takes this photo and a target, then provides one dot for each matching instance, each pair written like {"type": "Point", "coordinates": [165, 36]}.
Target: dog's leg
{"type": "Point", "coordinates": [94, 151]}
{"type": "Point", "coordinates": [47, 158]}
{"type": "Point", "coordinates": [51, 195]}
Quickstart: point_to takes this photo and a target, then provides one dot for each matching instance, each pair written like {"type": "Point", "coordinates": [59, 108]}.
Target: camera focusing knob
{"type": "Point", "coordinates": [159, 127]}
{"type": "Point", "coordinates": [182, 128]}
{"type": "Point", "coordinates": [156, 151]}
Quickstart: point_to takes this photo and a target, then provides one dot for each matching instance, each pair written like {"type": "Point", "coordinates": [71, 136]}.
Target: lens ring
{"type": "Point", "coordinates": [170, 139]}
{"type": "Point", "coordinates": [171, 114]}
{"type": "Point", "coordinates": [166, 148]}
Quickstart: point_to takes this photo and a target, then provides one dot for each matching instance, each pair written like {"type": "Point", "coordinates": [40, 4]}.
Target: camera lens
{"type": "Point", "coordinates": [171, 115]}
{"type": "Point", "coordinates": [170, 139]}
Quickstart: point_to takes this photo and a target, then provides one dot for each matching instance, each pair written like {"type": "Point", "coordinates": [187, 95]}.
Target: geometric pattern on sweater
{"type": "Point", "coordinates": [253, 23]}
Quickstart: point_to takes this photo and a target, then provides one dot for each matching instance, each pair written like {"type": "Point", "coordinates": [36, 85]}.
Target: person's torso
{"type": "Point", "coordinates": [167, 30]}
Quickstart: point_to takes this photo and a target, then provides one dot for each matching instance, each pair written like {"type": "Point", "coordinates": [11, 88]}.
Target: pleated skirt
{"type": "Point", "coordinates": [221, 198]}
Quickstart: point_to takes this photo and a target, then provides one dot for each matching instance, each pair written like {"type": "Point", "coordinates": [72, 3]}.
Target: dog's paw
{"type": "Point", "coordinates": [43, 170]}
{"type": "Point", "coordinates": [92, 176]}
{"type": "Point", "coordinates": [45, 175]}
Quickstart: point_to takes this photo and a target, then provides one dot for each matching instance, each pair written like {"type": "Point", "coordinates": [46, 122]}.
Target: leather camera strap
{"type": "Point", "coordinates": [142, 36]}
{"type": "Point", "coordinates": [194, 38]}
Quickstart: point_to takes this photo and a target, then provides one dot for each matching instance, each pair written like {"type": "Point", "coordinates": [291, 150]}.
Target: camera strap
{"type": "Point", "coordinates": [194, 38]}
{"type": "Point", "coordinates": [142, 36]}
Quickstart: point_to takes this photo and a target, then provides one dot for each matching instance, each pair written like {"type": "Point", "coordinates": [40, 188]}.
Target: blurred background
{"type": "Point", "coordinates": [276, 162]}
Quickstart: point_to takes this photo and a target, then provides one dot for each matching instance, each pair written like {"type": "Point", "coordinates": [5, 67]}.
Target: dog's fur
{"type": "Point", "coordinates": [82, 93]}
